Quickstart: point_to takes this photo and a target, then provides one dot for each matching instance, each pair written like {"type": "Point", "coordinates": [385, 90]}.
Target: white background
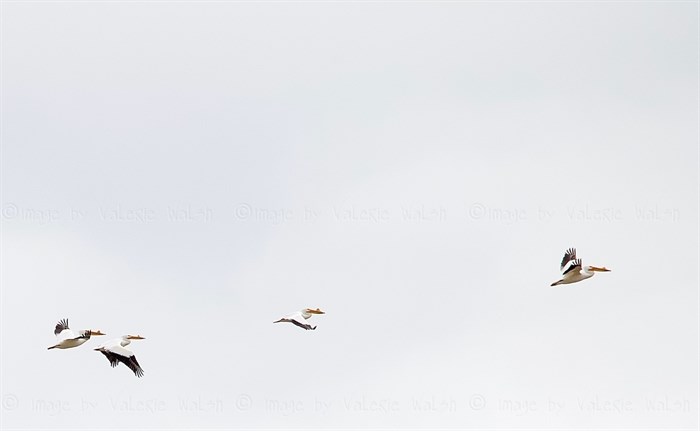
{"type": "Point", "coordinates": [191, 172]}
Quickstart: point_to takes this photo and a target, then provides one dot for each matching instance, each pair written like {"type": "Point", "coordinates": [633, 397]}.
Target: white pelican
{"type": "Point", "coordinates": [299, 318]}
{"type": "Point", "coordinates": [115, 352]}
{"type": "Point", "coordinates": [67, 338]}
{"type": "Point", "coordinates": [572, 271]}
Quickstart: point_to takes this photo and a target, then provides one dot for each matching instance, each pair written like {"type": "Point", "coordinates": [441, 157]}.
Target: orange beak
{"type": "Point", "coordinates": [316, 311]}
{"type": "Point", "coordinates": [603, 269]}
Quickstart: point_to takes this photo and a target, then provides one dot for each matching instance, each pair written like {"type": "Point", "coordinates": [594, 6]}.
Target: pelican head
{"type": "Point", "coordinates": [316, 311]}
{"type": "Point", "coordinates": [598, 269]}
{"type": "Point", "coordinates": [134, 337]}
{"type": "Point", "coordinates": [96, 332]}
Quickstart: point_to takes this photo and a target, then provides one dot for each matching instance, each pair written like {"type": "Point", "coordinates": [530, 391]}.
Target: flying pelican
{"type": "Point", "coordinates": [67, 338]}
{"type": "Point", "coordinates": [574, 271]}
{"type": "Point", "coordinates": [299, 318]}
{"type": "Point", "coordinates": [115, 352]}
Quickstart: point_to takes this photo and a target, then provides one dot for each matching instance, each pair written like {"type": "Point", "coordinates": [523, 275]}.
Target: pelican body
{"type": "Point", "coordinates": [68, 339]}
{"type": "Point", "coordinates": [116, 352]}
{"type": "Point", "coordinates": [573, 271]}
{"type": "Point", "coordinates": [300, 317]}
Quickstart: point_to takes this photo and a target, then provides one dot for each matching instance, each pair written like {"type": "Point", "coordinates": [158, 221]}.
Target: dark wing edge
{"type": "Point", "coordinates": [575, 264]}
{"type": "Point", "coordinates": [303, 325]}
{"type": "Point", "coordinates": [60, 326]}
{"type": "Point", "coordinates": [568, 256]}
{"type": "Point", "coordinates": [133, 364]}
{"type": "Point", "coordinates": [113, 359]}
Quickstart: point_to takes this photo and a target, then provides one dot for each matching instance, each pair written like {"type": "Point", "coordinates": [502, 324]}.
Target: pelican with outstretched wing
{"type": "Point", "coordinates": [573, 271]}
{"type": "Point", "coordinates": [68, 339]}
{"type": "Point", "coordinates": [116, 352]}
{"type": "Point", "coordinates": [300, 317]}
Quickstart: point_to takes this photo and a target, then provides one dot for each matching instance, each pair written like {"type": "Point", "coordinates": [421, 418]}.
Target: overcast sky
{"type": "Point", "coordinates": [191, 172]}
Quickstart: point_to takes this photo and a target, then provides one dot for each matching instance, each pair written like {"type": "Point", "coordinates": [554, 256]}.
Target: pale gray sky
{"type": "Point", "coordinates": [193, 171]}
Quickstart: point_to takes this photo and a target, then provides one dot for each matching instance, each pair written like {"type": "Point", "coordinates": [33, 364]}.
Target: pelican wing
{"type": "Point", "coordinates": [63, 332]}
{"type": "Point", "coordinates": [574, 267]}
{"type": "Point", "coordinates": [133, 365]}
{"type": "Point", "coordinates": [297, 319]}
{"type": "Point", "coordinates": [61, 326]}
{"type": "Point", "coordinates": [302, 324]}
{"type": "Point", "coordinates": [111, 357]}
{"type": "Point", "coordinates": [568, 257]}
{"type": "Point", "coordinates": [117, 354]}
{"type": "Point", "coordinates": [296, 315]}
